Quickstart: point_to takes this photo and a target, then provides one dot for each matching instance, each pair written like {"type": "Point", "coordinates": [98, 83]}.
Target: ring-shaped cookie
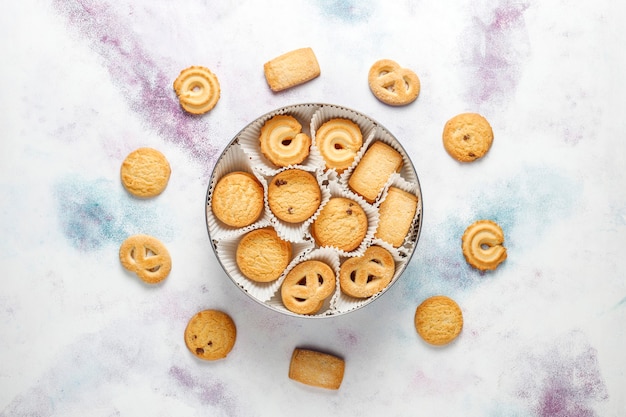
{"type": "Point", "coordinates": [282, 141]}
{"type": "Point", "coordinates": [339, 140]}
{"type": "Point", "coordinates": [306, 287]}
{"type": "Point", "coordinates": [392, 84]}
{"type": "Point", "coordinates": [366, 275]}
{"type": "Point", "coordinates": [198, 89]}
{"type": "Point", "coordinates": [482, 245]}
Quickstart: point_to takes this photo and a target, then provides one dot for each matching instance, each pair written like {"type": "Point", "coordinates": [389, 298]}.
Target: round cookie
{"type": "Point", "coordinates": [342, 223]}
{"type": "Point", "coordinates": [339, 140]}
{"type": "Point", "coordinates": [262, 255]}
{"type": "Point", "coordinates": [392, 84]}
{"type": "Point", "coordinates": [467, 137]}
{"type": "Point", "coordinates": [147, 257]}
{"type": "Point", "coordinates": [210, 335]}
{"type": "Point", "coordinates": [482, 245]}
{"type": "Point", "coordinates": [198, 89]}
{"type": "Point", "coordinates": [237, 199]}
{"type": "Point", "coordinates": [282, 141]}
{"type": "Point", "coordinates": [438, 320]}
{"type": "Point", "coordinates": [145, 172]}
{"type": "Point", "coordinates": [366, 275]}
{"type": "Point", "coordinates": [294, 195]}
{"type": "Point", "coordinates": [306, 286]}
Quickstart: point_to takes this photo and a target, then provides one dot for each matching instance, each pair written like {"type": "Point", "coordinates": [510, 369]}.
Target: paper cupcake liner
{"type": "Point", "coordinates": [249, 138]}
{"type": "Point", "coordinates": [326, 255]}
{"type": "Point", "coordinates": [413, 188]}
{"type": "Point", "coordinates": [295, 232]}
{"type": "Point", "coordinates": [233, 159]}
{"type": "Point", "coordinates": [227, 253]}
{"type": "Point", "coordinates": [346, 303]}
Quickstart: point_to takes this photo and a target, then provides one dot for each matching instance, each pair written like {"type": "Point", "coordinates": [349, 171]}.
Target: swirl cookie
{"type": "Point", "coordinates": [482, 245]}
{"type": "Point", "coordinates": [238, 199]}
{"type": "Point", "coordinates": [438, 320]}
{"type": "Point", "coordinates": [145, 172]}
{"type": "Point", "coordinates": [306, 287]}
{"type": "Point", "coordinates": [291, 69]}
{"type": "Point", "coordinates": [317, 369]}
{"type": "Point", "coordinates": [147, 257]}
{"type": "Point", "coordinates": [467, 137]}
{"type": "Point", "coordinates": [294, 195]}
{"type": "Point", "coordinates": [282, 141]}
{"type": "Point", "coordinates": [342, 223]}
{"type": "Point", "coordinates": [339, 140]}
{"type": "Point", "coordinates": [366, 275]}
{"type": "Point", "coordinates": [198, 89]}
{"type": "Point", "coordinates": [210, 335]}
{"type": "Point", "coordinates": [392, 84]}
{"type": "Point", "coordinates": [374, 169]}
{"type": "Point", "coordinates": [262, 256]}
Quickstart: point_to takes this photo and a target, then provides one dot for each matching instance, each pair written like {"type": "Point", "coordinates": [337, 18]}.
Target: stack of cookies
{"type": "Point", "coordinates": [314, 209]}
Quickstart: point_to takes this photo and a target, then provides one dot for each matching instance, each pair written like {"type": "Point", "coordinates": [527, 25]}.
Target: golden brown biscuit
{"type": "Point", "coordinates": [339, 140]}
{"type": "Point", "coordinates": [482, 245]}
{"type": "Point", "coordinates": [145, 172]}
{"type": "Point", "coordinates": [374, 169]}
{"type": "Point", "coordinates": [210, 335]}
{"type": "Point", "coordinates": [317, 369]}
{"type": "Point", "coordinates": [237, 199]}
{"type": "Point", "coordinates": [396, 216]}
{"type": "Point", "coordinates": [342, 223]}
{"type": "Point", "coordinates": [291, 69]}
{"type": "Point", "coordinates": [262, 255]}
{"type": "Point", "coordinates": [147, 257]}
{"type": "Point", "coordinates": [282, 141]}
{"type": "Point", "coordinates": [467, 137]}
{"type": "Point", "coordinates": [366, 275]}
{"type": "Point", "coordinates": [393, 84]}
{"type": "Point", "coordinates": [198, 89]}
{"type": "Point", "coordinates": [306, 287]}
{"type": "Point", "coordinates": [438, 320]}
{"type": "Point", "coordinates": [294, 195]}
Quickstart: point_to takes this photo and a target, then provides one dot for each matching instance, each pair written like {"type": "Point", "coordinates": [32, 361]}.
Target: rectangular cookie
{"type": "Point", "coordinates": [396, 215]}
{"type": "Point", "coordinates": [374, 169]}
{"type": "Point", "coordinates": [291, 69]}
{"type": "Point", "coordinates": [316, 368]}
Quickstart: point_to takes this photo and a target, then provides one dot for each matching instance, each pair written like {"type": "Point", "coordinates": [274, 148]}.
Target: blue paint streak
{"type": "Point", "coordinates": [524, 204]}
{"type": "Point", "coordinates": [349, 11]}
{"type": "Point", "coordinates": [94, 213]}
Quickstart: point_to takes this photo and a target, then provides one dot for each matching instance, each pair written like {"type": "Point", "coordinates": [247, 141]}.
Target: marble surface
{"type": "Point", "coordinates": [84, 82]}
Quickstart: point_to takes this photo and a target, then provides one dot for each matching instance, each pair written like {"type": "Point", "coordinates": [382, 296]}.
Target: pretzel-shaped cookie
{"type": "Point", "coordinates": [339, 140]}
{"type": "Point", "coordinates": [198, 89]}
{"type": "Point", "coordinates": [366, 275]}
{"type": "Point", "coordinates": [283, 142]}
{"type": "Point", "coordinates": [147, 257]}
{"type": "Point", "coordinates": [393, 84]}
{"type": "Point", "coordinates": [482, 245]}
{"type": "Point", "coordinates": [307, 286]}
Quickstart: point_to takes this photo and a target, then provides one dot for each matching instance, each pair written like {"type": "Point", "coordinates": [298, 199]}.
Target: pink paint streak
{"type": "Point", "coordinates": [147, 88]}
{"type": "Point", "coordinates": [564, 381]}
{"type": "Point", "coordinates": [497, 48]}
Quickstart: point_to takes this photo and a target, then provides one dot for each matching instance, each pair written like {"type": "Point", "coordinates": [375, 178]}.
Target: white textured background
{"type": "Point", "coordinates": [84, 82]}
